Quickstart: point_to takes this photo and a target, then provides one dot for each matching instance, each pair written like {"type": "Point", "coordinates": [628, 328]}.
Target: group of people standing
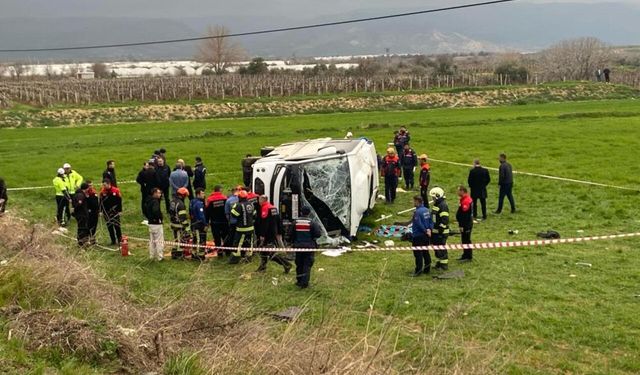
{"type": "Point", "coordinates": [80, 199]}
{"type": "Point", "coordinates": [430, 223]}
{"type": "Point", "coordinates": [238, 222]}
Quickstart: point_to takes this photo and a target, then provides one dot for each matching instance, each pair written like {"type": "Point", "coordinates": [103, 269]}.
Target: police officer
{"type": "Point", "coordinates": [244, 212]}
{"type": "Point", "coordinates": [421, 228]}
{"type": "Point", "coordinates": [179, 218]}
{"type": "Point", "coordinates": [440, 232]}
{"type": "Point", "coordinates": [409, 162]}
{"type": "Point", "coordinates": [305, 234]}
{"type": "Point", "coordinates": [390, 171]}
{"type": "Point", "coordinates": [81, 213]}
{"type": "Point", "coordinates": [270, 229]}
{"type": "Point", "coordinates": [198, 223]}
{"type": "Point", "coordinates": [63, 198]}
{"type": "Point", "coordinates": [464, 217]}
{"type": "Point", "coordinates": [214, 208]}
{"type": "Point", "coordinates": [111, 205]}
{"type": "Point", "coordinates": [74, 180]}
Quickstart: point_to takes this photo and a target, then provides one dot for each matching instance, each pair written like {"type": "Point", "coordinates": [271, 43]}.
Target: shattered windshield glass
{"type": "Point", "coordinates": [330, 181]}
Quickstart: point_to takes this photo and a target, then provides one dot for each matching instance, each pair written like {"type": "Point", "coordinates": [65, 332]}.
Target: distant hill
{"type": "Point", "coordinates": [517, 26]}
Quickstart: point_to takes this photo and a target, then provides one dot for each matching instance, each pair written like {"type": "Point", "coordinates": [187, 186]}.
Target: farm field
{"type": "Point", "coordinates": [521, 311]}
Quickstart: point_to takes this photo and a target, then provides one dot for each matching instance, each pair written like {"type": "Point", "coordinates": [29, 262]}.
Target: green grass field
{"type": "Point", "coordinates": [520, 311]}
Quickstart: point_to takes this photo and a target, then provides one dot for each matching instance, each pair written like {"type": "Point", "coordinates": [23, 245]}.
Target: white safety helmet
{"type": "Point", "coordinates": [66, 165]}
{"type": "Point", "coordinates": [60, 171]}
{"type": "Point", "coordinates": [436, 193]}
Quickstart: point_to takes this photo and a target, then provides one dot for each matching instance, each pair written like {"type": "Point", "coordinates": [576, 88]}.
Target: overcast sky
{"type": "Point", "coordinates": [202, 8]}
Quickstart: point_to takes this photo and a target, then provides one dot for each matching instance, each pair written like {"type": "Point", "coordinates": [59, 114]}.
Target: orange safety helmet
{"type": "Point", "coordinates": [183, 192]}
{"type": "Point", "coordinates": [242, 194]}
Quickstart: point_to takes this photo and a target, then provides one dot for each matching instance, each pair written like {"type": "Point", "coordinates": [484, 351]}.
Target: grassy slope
{"type": "Point", "coordinates": [519, 306]}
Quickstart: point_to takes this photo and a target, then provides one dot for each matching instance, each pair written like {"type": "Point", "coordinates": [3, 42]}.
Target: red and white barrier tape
{"type": "Point", "coordinates": [448, 247]}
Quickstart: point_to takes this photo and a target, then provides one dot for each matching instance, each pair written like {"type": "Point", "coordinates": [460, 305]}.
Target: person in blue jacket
{"type": "Point", "coordinates": [422, 225]}
{"type": "Point", "coordinates": [198, 222]}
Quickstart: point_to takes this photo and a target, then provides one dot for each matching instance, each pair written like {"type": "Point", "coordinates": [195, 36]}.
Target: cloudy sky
{"type": "Point", "coordinates": [300, 9]}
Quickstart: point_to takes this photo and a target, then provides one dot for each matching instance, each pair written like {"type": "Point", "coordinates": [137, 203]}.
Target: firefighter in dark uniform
{"type": "Point", "coordinates": [390, 171]}
{"type": "Point", "coordinates": [424, 179]}
{"type": "Point", "coordinates": [464, 217]}
{"type": "Point", "coordinates": [214, 207]}
{"type": "Point", "coordinates": [305, 234]}
{"type": "Point", "coordinates": [179, 217]}
{"type": "Point", "coordinates": [111, 205]}
{"type": "Point", "coordinates": [269, 230]}
{"type": "Point", "coordinates": [93, 205]}
{"type": "Point", "coordinates": [81, 213]}
{"type": "Point", "coordinates": [440, 232]}
{"type": "Point", "coordinates": [245, 214]}
{"type": "Point", "coordinates": [409, 162]}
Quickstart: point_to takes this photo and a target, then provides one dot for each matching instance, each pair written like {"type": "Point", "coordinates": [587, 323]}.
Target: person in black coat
{"type": "Point", "coordinates": [93, 206]}
{"type": "Point", "coordinates": [505, 181]}
{"type": "Point", "coordinates": [199, 174]}
{"type": "Point", "coordinates": [479, 179]}
{"type": "Point", "coordinates": [147, 181]}
{"type": "Point", "coordinates": [81, 213]}
{"type": "Point", "coordinates": [162, 179]}
{"type": "Point", "coordinates": [110, 173]}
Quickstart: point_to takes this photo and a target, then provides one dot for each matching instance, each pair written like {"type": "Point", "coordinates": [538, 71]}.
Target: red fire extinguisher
{"type": "Point", "coordinates": [187, 249]}
{"type": "Point", "coordinates": [124, 246]}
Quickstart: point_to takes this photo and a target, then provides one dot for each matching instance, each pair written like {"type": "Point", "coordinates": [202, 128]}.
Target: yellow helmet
{"type": "Point", "coordinates": [436, 193]}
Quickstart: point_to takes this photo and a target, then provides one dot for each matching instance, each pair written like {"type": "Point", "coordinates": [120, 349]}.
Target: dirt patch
{"type": "Point", "coordinates": [176, 112]}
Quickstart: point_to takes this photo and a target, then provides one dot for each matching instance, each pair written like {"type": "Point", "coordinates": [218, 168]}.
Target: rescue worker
{"type": "Point", "coordinates": [93, 205]}
{"type": "Point", "coordinates": [200, 175]}
{"type": "Point", "coordinates": [269, 232]}
{"type": "Point", "coordinates": [110, 173]}
{"type": "Point", "coordinates": [305, 234]}
{"type": "Point", "coordinates": [505, 181]}
{"type": "Point", "coordinates": [390, 172]}
{"type": "Point", "coordinates": [179, 217]}
{"type": "Point", "coordinates": [244, 213]}
{"type": "Point", "coordinates": [409, 162]}
{"type": "Point", "coordinates": [441, 231]}
{"type": "Point", "coordinates": [179, 179]}
{"type": "Point", "coordinates": [425, 179]}
{"type": "Point", "coordinates": [228, 205]}
{"type": "Point", "coordinates": [63, 198]}
{"type": "Point", "coordinates": [421, 228]}
{"type": "Point", "coordinates": [111, 205]}
{"type": "Point", "coordinates": [464, 217]}
{"type": "Point", "coordinates": [478, 181]}
{"type": "Point", "coordinates": [162, 179]}
{"type": "Point", "coordinates": [198, 223]}
{"type": "Point", "coordinates": [156, 231]}
{"type": "Point", "coordinates": [81, 213]}
{"type": "Point", "coordinates": [3, 196]}
{"type": "Point", "coordinates": [401, 138]}
{"type": "Point", "coordinates": [214, 208]}
{"type": "Point", "coordinates": [74, 180]}
{"type": "Point", "coordinates": [147, 180]}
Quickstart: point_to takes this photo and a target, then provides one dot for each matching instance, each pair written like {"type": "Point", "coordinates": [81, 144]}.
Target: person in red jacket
{"type": "Point", "coordinates": [111, 207]}
{"type": "Point", "coordinates": [390, 171]}
{"type": "Point", "coordinates": [464, 217]}
{"type": "Point", "coordinates": [270, 234]}
{"type": "Point", "coordinates": [425, 179]}
{"type": "Point", "coordinates": [214, 208]}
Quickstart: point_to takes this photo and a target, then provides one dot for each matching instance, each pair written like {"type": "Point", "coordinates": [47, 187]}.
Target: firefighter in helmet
{"type": "Point", "coordinates": [244, 212]}
{"type": "Point", "coordinates": [440, 233]}
{"type": "Point", "coordinates": [179, 216]}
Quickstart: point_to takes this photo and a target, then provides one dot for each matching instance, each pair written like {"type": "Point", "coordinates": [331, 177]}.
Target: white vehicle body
{"type": "Point", "coordinates": [338, 179]}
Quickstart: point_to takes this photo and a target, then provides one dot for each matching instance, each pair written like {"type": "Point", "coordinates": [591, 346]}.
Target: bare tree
{"type": "Point", "coordinates": [18, 69]}
{"type": "Point", "coordinates": [219, 52]}
{"type": "Point", "coordinates": [575, 58]}
{"type": "Point", "coordinates": [100, 70]}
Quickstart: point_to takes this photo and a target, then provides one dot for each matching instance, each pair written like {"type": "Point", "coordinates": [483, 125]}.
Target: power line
{"type": "Point", "coordinates": [260, 32]}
